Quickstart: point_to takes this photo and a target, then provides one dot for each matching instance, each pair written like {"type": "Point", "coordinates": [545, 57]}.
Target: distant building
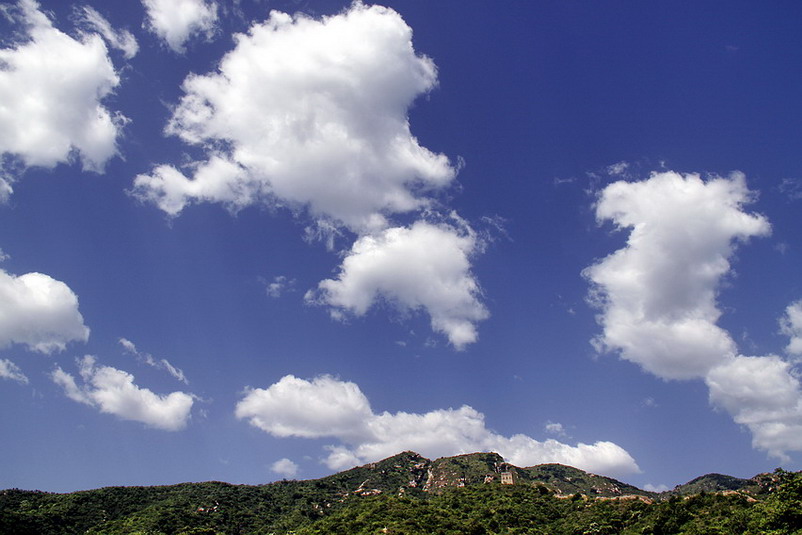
{"type": "Point", "coordinates": [508, 478]}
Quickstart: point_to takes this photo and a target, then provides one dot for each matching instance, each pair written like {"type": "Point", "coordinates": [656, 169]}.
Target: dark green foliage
{"type": "Point", "coordinates": [485, 509]}
{"type": "Point", "coordinates": [408, 494]}
{"type": "Point", "coordinates": [202, 507]}
{"type": "Point", "coordinates": [712, 483]}
{"type": "Point", "coordinates": [570, 480]}
{"type": "Point", "coordinates": [477, 509]}
{"type": "Point", "coordinates": [781, 511]}
{"type": "Point", "coordinates": [702, 514]}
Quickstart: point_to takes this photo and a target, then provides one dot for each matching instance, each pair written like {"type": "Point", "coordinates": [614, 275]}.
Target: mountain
{"type": "Point", "coordinates": [758, 485]}
{"type": "Point", "coordinates": [410, 472]}
{"type": "Point", "coordinates": [421, 493]}
{"type": "Point", "coordinates": [475, 468]}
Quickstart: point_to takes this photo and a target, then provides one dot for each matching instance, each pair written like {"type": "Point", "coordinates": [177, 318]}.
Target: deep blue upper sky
{"type": "Point", "coordinates": [354, 230]}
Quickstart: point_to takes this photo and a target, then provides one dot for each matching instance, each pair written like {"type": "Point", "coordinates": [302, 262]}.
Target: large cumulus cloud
{"type": "Point", "coordinates": [310, 114]}
{"type": "Point", "coordinates": [764, 395]}
{"type": "Point", "coordinates": [39, 312]}
{"type": "Point", "coordinates": [658, 298]}
{"type": "Point", "coordinates": [326, 407]}
{"type": "Point", "coordinates": [52, 88]}
{"type": "Point", "coordinates": [658, 294]}
{"type": "Point", "coordinates": [425, 266]}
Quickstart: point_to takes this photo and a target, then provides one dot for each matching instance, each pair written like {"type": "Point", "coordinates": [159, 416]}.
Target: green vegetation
{"type": "Point", "coordinates": [719, 482]}
{"type": "Point", "coordinates": [528, 510]}
{"type": "Point", "coordinates": [399, 496]}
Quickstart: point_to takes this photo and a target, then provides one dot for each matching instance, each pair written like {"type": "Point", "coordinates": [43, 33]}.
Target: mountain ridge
{"type": "Point", "coordinates": [412, 471]}
{"type": "Point", "coordinates": [406, 482]}
{"type": "Point", "coordinates": [474, 468]}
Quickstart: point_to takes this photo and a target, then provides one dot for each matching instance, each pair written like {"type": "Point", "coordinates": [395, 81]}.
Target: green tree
{"type": "Point", "coordinates": [781, 512]}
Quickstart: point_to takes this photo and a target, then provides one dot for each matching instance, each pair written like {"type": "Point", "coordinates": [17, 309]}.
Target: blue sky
{"type": "Point", "coordinates": [262, 239]}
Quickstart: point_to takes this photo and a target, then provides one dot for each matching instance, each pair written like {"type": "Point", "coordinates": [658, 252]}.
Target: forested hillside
{"type": "Point", "coordinates": [408, 494]}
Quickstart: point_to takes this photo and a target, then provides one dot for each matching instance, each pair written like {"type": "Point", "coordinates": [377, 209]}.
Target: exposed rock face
{"type": "Point", "coordinates": [462, 470]}
{"type": "Point", "coordinates": [410, 472]}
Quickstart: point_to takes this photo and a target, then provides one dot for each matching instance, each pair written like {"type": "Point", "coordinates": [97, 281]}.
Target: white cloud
{"type": "Point", "coordinates": [328, 407]}
{"type": "Point", "coordinates": [128, 345]}
{"type": "Point", "coordinates": [792, 187]}
{"type": "Point", "coordinates": [215, 180]}
{"type": "Point", "coordinates": [618, 169]}
{"type": "Point", "coordinates": [9, 370]}
{"type": "Point", "coordinates": [5, 186]}
{"type": "Point", "coordinates": [763, 394]}
{"type": "Point", "coordinates": [147, 358]}
{"type": "Point", "coordinates": [39, 312]}
{"type": "Point", "coordinates": [285, 467]}
{"type": "Point", "coordinates": [308, 114]}
{"type": "Point", "coordinates": [51, 87]}
{"type": "Point", "coordinates": [113, 391]}
{"type": "Point", "coordinates": [279, 285]}
{"type": "Point", "coordinates": [555, 428]}
{"type": "Point", "coordinates": [658, 299]}
{"type": "Point", "coordinates": [791, 325]}
{"type": "Point", "coordinates": [601, 457]}
{"type": "Point", "coordinates": [655, 488]}
{"type": "Point", "coordinates": [658, 294]}
{"type": "Point", "coordinates": [425, 266]}
{"type": "Point", "coordinates": [176, 21]}
{"type": "Point", "coordinates": [122, 40]}
{"type": "Point", "coordinates": [312, 115]}
{"type": "Point", "coordinates": [295, 407]}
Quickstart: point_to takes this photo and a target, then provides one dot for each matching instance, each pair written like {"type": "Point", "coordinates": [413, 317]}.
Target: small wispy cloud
{"type": "Point", "coordinates": [495, 227]}
{"type": "Point", "coordinates": [9, 370]}
{"type": "Point", "coordinates": [122, 40]}
{"type": "Point", "coordinates": [279, 285]}
{"type": "Point", "coordinates": [147, 358]}
{"type": "Point", "coordinates": [555, 428]}
{"type": "Point", "coordinates": [792, 188]}
{"type": "Point", "coordinates": [618, 169]}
